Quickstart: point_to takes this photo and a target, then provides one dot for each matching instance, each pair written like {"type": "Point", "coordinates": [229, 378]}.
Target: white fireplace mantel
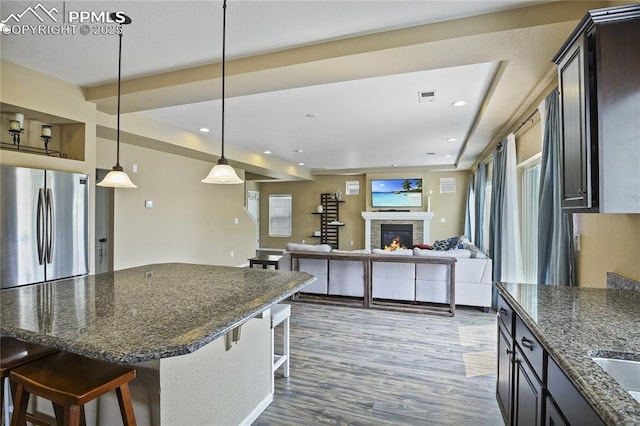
{"type": "Point", "coordinates": [425, 217]}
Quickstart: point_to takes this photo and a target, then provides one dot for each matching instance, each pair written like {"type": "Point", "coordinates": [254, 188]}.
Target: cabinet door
{"type": "Point", "coordinates": [504, 374]}
{"type": "Point", "coordinates": [552, 416]}
{"type": "Point", "coordinates": [527, 398]}
{"type": "Point", "coordinates": [573, 76]}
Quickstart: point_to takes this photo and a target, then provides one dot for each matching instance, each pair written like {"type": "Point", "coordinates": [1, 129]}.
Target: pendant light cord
{"type": "Point", "coordinates": [224, 31]}
{"type": "Point", "coordinates": [118, 119]}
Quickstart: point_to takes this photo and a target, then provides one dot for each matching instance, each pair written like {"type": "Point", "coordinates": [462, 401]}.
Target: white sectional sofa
{"type": "Point", "coordinates": [344, 273]}
{"type": "Point", "coordinates": [473, 278]}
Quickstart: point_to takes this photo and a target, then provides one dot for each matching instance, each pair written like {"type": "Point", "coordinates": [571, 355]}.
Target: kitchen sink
{"type": "Point", "coordinates": [625, 372]}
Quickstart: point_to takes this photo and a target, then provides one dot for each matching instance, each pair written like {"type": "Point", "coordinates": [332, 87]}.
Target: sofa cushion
{"type": "Point", "coordinates": [361, 251]}
{"type": "Point", "coordinates": [346, 278]}
{"type": "Point", "coordinates": [402, 252]}
{"type": "Point", "coordinates": [457, 253]}
{"type": "Point", "coordinates": [391, 280]}
{"type": "Point", "coordinates": [308, 247]}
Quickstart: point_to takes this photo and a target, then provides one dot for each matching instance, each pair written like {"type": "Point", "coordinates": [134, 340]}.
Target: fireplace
{"type": "Point", "coordinates": [372, 220]}
{"type": "Point", "coordinates": [395, 236]}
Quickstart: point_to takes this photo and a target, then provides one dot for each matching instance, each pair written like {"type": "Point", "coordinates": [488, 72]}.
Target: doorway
{"type": "Point", "coordinates": [253, 207]}
{"type": "Point", "coordinates": [103, 226]}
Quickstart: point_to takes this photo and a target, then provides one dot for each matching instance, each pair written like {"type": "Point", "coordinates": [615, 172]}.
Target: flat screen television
{"type": "Point", "coordinates": [396, 192]}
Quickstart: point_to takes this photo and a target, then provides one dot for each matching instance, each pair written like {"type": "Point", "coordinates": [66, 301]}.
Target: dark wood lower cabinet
{"type": "Point", "coordinates": [528, 396]}
{"type": "Point", "coordinates": [535, 396]}
{"type": "Point", "coordinates": [552, 414]}
{"type": "Point", "coordinates": [504, 373]}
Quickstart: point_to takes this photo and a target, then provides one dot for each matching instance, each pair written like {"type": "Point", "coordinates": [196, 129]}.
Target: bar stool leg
{"type": "Point", "coordinates": [72, 415]}
{"type": "Point", "coordinates": [20, 402]}
{"type": "Point", "coordinates": [286, 347]}
{"type": "Point", "coordinates": [5, 404]}
{"type": "Point", "coordinates": [126, 406]}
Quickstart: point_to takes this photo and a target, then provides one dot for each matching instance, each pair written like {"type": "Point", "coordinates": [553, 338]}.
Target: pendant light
{"type": "Point", "coordinates": [223, 173]}
{"type": "Point", "coordinates": [117, 177]}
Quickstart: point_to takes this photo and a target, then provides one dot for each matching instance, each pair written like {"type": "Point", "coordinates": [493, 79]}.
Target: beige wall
{"type": "Point", "coordinates": [190, 222]}
{"type": "Point", "coordinates": [306, 196]}
{"type": "Point", "coordinates": [608, 243]}
{"type": "Point", "coordinates": [450, 207]}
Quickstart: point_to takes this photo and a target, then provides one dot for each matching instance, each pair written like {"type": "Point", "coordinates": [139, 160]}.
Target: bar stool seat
{"type": "Point", "coordinates": [280, 314]}
{"type": "Point", "coordinates": [71, 381]}
{"type": "Point", "coordinates": [15, 353]}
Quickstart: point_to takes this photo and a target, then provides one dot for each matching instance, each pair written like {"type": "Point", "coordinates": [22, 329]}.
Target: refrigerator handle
{"type": "Point", "coordinates": [50, 212]}
{"type": "Point", "coordinates": [40, 226]}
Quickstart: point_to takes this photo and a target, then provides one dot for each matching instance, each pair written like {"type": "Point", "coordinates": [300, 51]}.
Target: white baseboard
{"type": "Point", "coordinates": [255, 413]}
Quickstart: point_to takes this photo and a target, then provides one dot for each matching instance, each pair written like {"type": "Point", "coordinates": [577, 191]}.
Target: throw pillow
{"type": "Point", "coordinates": [448, 244]}
{"type": "Point", "coordinates": [440, 245]}
{"type": "Point", "coordinates": [422, 246]}
{"type": "Point", "coordinates": [453, 242]}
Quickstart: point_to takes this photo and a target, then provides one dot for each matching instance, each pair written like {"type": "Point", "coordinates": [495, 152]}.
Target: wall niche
{"type": "Point", "coordinates": [67, 136]}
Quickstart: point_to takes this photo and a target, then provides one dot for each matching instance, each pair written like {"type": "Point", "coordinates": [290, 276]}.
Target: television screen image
{"type": "Point", "coordinates": [396, 192]}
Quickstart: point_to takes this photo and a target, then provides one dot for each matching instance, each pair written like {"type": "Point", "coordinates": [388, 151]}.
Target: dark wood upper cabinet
{"type": "Point", "coordinates": [599, 81]}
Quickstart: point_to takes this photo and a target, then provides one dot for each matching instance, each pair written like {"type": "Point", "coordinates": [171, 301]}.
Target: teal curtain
{"type": "Point", "coordinates": [480, 184]}
{"type": "Point", "coordinates": [469, 215]}
{"type": "Point", "coordinates": [556, 256]}
{"type": "Point", "coordinates": [497, 205]}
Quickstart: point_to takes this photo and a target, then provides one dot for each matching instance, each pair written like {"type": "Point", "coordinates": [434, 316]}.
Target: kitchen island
{"type": "Point", "coordinates": [574, 324]}
{"type": "Point", "coordinates": [198, 335]}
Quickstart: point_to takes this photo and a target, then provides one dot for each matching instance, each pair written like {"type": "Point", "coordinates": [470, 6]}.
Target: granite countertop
{"type": "Point", "coordinates": [576, 323]}
{"type": "Point", "coordinates": [143, 313]}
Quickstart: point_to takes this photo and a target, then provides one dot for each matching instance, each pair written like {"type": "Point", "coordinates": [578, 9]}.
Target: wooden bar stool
{"type": "Point", "coordinates": [280, 314]}
{"type": "Point", "coordinates": [15, 353]}
{"type": "Point", "coordinates": [71, 381]}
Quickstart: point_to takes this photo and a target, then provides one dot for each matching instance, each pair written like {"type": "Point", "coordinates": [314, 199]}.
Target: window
{"type": "Point", "coordinates": [280, 215]}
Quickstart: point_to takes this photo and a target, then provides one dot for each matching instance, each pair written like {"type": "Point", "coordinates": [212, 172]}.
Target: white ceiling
{"type": "Point", "coordinates": [364, 101]}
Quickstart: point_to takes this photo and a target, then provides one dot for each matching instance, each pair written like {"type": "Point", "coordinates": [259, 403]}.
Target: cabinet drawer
{"type": "Point", "coordinates": [574, 408]}
{"type": "Point", "coordinates": [505, 315]}
{"type": "Point", "coordinates": [531, 348]}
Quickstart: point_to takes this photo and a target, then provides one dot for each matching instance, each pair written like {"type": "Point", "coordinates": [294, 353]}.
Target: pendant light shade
{"type": "Point", "coordinates": [117, 178]}
{"type": "Point", "coordinates": [223, 173]}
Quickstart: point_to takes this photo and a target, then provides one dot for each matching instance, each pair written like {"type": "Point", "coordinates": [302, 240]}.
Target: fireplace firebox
{"type": "Point", "coordinates": [396, 236]}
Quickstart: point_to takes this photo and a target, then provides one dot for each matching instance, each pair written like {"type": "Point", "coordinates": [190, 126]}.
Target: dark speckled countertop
{"type": "Point", "coordinates": [576, 323]}
{"type": "Point", "coordinates": [143, 313]}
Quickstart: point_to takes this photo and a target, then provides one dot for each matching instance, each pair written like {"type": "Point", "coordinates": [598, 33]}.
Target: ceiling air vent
{"type": "Point", "coordinates": [427, 96]}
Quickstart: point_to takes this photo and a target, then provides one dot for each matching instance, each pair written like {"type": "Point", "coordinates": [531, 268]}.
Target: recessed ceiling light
{"type": "Point", "coordinates": [448, 156]}
{"type": "Point", "coordinates": [459, 103]}
{"type": "Point", "coordinates": [299, 150]}
{"type": "Point", "coordinates": [300, 164]}
{"type": "Point", "coordinates": [310, 116]}
{"type": "Point", "coordinates": [452, 140]}
{"type": "Point", "coordinates": [431, 153]}
{"type": "Point", "coordinates": [394, 165]}
{"type": "Point", "coordinates": [267, 152]}
{"type": "Point", "coordinates": [204, 130]}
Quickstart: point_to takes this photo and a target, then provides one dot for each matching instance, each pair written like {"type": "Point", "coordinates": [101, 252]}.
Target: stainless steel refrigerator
{"type": "Point", "coordinates": [44, 226]}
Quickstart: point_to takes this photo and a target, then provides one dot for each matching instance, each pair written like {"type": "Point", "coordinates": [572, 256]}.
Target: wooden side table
{"type": "Point", "coordinates": [265, 260]}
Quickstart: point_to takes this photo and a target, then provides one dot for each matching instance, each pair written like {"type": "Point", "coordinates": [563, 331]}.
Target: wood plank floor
{"type": "Point", "coordinates": [352, 366]}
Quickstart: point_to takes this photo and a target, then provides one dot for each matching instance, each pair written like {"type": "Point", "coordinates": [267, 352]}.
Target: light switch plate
{"type": "Point", "coordinates": [148, 204]}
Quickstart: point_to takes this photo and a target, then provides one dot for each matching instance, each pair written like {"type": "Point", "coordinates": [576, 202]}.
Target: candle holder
{"type": "Point", "coordinates": [45, 136]}
{"type": "Point", "coordinates": [15, 130]}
